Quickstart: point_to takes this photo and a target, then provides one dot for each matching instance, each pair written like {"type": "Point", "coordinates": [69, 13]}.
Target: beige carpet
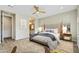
{"type": "Point", "coordinates": [25, 46]}
{"type": "Point", "coordinates": [66, 46]}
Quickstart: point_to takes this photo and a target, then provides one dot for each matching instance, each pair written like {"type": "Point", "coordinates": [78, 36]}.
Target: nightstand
{"type": "Point", "coordinates": [67, 36]}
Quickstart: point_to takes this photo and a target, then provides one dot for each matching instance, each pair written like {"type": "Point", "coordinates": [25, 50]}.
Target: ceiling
{"type": "Point", "coordinates": [27, 10]}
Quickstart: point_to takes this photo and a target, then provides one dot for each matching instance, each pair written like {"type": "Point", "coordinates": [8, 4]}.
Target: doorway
{"type": "Point", "coordinates": [7, 26]}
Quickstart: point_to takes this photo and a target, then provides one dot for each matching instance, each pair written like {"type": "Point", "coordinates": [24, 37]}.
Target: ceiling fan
{"type": "Point", "coordinates": [11, 6]}
{"type": "Point", "coordinates": [37, 10]}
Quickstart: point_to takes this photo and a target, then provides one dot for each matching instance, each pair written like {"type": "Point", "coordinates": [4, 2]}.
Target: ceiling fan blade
{"type": "Point", "coordinates": [36, 8]}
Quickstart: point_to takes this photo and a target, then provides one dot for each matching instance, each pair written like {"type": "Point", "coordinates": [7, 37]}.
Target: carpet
{"type": "Point", "coordinates": [26, 46]}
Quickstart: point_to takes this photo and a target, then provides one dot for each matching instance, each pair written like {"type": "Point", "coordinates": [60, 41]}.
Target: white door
{"type": "Point", "coordinates": [7, 27]}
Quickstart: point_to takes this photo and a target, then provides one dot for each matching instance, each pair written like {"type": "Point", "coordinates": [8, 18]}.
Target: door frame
{"type": "Point", "coordinates": [2, 17]}
{"type": "Point", "coordinates": [1, 26]}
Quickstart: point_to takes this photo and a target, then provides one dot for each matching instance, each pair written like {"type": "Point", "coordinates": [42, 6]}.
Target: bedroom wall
{"type": "Point", "coordinates": [36, 24]}
{"type": "Point", "coordinates": [22, 30]}
{"type": "Point", "coordinates": [66, 18]}
{"type": "Point", "coordinates": [20, 26]}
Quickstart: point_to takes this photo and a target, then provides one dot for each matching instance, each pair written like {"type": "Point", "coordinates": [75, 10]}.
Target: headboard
{"type": "Point", "coordinates": [52, 26]}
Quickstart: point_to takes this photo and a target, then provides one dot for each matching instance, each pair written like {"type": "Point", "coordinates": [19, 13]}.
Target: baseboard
{"type": "Point", "coordinates": [23, 38]}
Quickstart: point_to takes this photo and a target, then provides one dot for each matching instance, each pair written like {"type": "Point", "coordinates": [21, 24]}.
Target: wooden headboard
{"type": "Point", "coordinates": [52, 26]}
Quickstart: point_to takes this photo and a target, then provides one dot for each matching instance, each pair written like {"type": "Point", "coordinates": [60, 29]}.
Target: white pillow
{"type": "Point", "coordinates": [49, 30]}
{"type": "Point", "coordinates": [52, 30]}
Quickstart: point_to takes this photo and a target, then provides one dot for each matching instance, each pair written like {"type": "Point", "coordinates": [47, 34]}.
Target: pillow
{"type": "Point", "coordinates": [49, 30]}
{"type": "Point", "coordinates": [52, 30]}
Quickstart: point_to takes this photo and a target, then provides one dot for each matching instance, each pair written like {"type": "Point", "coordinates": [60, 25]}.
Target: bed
{"type": "Point", "coordinates": [49, 37]}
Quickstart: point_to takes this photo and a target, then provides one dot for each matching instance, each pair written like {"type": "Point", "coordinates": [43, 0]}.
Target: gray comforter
{"type": "Point", "coordinates": [45, 35]}
{"type": "Point", "coordinates": [50, 39]}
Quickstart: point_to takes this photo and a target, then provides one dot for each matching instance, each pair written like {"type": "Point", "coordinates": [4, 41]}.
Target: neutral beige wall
{"type": "Point", "coordinates": [67, 18]}
{"type": "Point", "coordinates": [21, 24]}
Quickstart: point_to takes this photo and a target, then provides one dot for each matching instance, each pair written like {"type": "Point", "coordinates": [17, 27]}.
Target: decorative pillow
{"type": "Point", "coordinates": [49, 30]}
{"type": "Point", "coordinates": [52, 30]}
